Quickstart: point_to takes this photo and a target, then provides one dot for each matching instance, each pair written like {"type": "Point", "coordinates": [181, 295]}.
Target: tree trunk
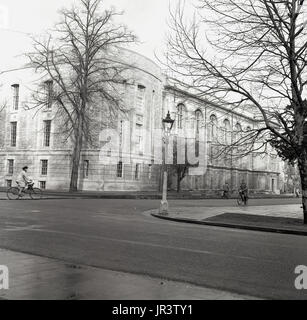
{"type": "Point", "coordinates": [303, 173]}
{"type": "Point", "coordinates": [76, 162]}
{"type": "Point", "coordinates": [178, 181]}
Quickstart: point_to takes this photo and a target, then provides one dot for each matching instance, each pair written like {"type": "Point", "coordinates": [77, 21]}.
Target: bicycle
{"type": "Point", "coordinates": [243, 201]}
{"type": "Point", "coordinates": [34, 193]}
{"type": "Point", "coordinates": [225, 195]}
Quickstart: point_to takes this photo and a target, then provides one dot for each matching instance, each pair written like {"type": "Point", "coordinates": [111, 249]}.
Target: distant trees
{"type": "Point", "coordinates": [79, 59]}
{"type": "Point", "coordinates": [258, 63]}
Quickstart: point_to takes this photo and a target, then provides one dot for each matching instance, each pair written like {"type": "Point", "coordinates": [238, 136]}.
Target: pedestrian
{"type": "Point", "coordinates": [243, 191]}
{"type": "Point", "coordinates": [226, 190]}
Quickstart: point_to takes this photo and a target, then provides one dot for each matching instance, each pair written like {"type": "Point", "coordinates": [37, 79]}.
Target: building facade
{"type": "Point", "coordinates": [129, 156]}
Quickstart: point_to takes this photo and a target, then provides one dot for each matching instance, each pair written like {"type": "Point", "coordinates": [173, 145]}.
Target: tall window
{"type": "Point", "coordinates": [121, 138]}
{"type": "Point", "coordinates": [250, 163]}
{"type": "Point", "coordinates": [86, 166]}
{"type": "Point", "coordinates": [227, 138]}
{"type": "Point", "coordinates": [139, 139]}
{"type": "Point", "coordinates": [213, 127]}
{"type": "Point", "coordinates": [44, 167]}
{"type": "Point", "coordinates": [137, 171]}
{"type": "Point", "coordinates": [212, 136]}
{"type": "Point", "coordinates": [13, 134]}
{"type": "Point", "coordinates": [238, 127]}
{"type": "Point", "coordinates": [140, 99]}
{"type": "Point", "coordinates": [198, 117]}
{"type": "Point", "coordinates": [238, 135]}
{"type": "Point", "coordinates": [149, 172]}
{"type": "Point", "coordinates": [120, 169]}
{"type": "Point", "coordinates": [238, 132]}
{"type": "Point", "coordinates": [49, 93]}
{"type": "Point", "coordinates": [180, 115]}
{"type": "Point", "coordinates": [10, 164]}
{"type": "Point", "coordinates": [15, 89]}
{"type": "Point", "coordinates": [47, 132]}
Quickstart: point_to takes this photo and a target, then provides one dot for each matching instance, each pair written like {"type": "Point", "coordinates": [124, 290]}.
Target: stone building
{"type": "Point", "coordinates": [220, 125]}
{"type": "Point", "coordinates": [32, 136]}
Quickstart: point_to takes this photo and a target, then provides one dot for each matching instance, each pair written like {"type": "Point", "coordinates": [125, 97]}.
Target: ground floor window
{"type": "Point", "coordinates": [120, 169]}
{"type": "Point", "coordinates": [10, 166]}
{"type": "Point", "coordinates": [149, 172]}
{"type": "Point", "coordinates": [9, 183]}
{"type": "Point", "coordinates": [86, 166]}
{"type": "Point", "coordinates": [42, 185]}
{"type": "Point", "coordinates": [137, 171]}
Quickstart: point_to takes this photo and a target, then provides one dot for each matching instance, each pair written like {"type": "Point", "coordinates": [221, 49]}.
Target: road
{"type": "Point", "coordinates": [117, 235]}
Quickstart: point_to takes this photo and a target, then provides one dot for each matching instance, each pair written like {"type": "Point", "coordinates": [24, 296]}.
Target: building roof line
{"type": "Point", "coordinates": [112, 60]}
{"type": "Point", "coordinates": [16, 69]}
{"type": "Point", "coordinates": [203, 100]}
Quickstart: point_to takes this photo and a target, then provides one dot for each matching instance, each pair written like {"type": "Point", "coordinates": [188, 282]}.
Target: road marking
{"type": "Point", "coordinates": [25, 228]}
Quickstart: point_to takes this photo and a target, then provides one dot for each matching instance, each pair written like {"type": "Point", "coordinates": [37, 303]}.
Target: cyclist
{"type": "Point", "coordinates": [23, 180]}
{"type": "Point", "coordinates": [243, 191]}
{"type": "Point", "coordinates": [226, 190]}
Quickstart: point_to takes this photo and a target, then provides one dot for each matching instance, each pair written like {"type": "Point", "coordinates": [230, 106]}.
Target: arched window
{"type": "Point", "coordinates": [198, 118]}
{"type": "Point", "coordinates": [238, 127]}
{"type": "Point", "coordinates": [227, 139]}
{"type": "Point", "coordinates": [213, 126]}
{"type": "Point", "coordinates": [238, 135]}
{"type": "Point", "coordinates": [180, 116]}
{"type": "Point", "coordinates": [238, 131]}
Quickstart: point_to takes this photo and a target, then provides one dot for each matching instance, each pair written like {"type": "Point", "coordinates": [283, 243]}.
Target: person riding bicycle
{"type": "Point", "coordinates": [23, 180]}
{"type": "Point", "coordinates": [243, 191]}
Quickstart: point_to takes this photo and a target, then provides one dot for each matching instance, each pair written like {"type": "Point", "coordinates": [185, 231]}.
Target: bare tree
{"type": "Point", "coordinates": [180, 170]}
{"type": "Point", "coordinates": [251, 54]}
{"type": "Point", "coordinates": [80, 58]}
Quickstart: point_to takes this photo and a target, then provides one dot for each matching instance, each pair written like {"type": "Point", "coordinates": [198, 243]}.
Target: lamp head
{"type": "Point", "coordinates": [168, 123]}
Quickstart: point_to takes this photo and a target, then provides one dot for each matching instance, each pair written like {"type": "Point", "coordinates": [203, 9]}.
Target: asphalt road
{"type": "Point", "coordinates": [117, 235]}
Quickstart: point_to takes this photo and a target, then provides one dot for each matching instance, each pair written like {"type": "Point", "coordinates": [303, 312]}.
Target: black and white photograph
{"type": "Point", "coordinates": [153, 153]}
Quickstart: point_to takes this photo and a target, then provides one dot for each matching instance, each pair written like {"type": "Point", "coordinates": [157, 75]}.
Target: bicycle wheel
{"type": "Point", "coordinates": [36, 193]}
{"type": "Point", "coordinates": [246, 201]}
{"type": "Point", "coordinates": [239, 201]}
{"type": "Point", "coordinates": [13, 193]}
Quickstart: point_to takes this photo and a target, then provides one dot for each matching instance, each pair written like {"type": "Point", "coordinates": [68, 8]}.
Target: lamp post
{"type": "Point", "coordinates": [168, 123]}
{"type": "Point", "coordinates": [305, 134]}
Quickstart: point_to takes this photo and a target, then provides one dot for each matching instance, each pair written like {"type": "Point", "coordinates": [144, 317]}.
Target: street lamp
{"type": "Point", "coordinates": [305, 134]}
{"type": "Point", "coordinates": [168, 123]}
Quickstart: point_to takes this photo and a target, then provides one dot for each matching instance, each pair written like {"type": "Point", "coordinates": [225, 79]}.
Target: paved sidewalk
{"type": "Point", "coordinates": [275, 218]}
{"type": "Point", "coordinates": [33, 277]}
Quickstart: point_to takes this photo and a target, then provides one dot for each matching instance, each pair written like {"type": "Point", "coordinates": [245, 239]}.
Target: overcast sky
{"type": "Point", "coordinates": [147, 18]}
